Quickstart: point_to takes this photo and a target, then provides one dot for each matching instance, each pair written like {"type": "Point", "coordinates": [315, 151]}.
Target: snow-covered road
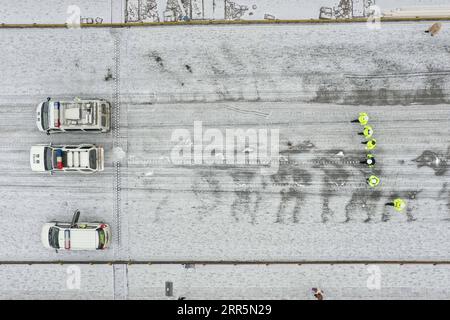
{"type": "Point", "coordinates": [226, 282]}
{"type": "Point", "coordinates": [306, 81]}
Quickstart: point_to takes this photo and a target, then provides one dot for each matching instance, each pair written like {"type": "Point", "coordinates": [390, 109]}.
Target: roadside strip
{"type": "Point", "coordinates": [225, 262]}
{"type": "Point", "coordinates": [218, 22]}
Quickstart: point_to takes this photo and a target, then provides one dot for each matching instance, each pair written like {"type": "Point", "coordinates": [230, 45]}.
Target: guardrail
{"type": "Point", "coordinates": [218, 22]}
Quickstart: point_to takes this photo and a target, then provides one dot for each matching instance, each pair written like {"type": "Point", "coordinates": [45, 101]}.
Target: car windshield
{"type": "Point", "coordinates": [93, 159]}
{"type": "Point", "coordinates": [101, 238]}
{"type": "Point", "coordinates": [48, 155]}
{"type": "Point", "coordinates": [44, 116]}
{"type": "Point", "coordinates": [53, 237]}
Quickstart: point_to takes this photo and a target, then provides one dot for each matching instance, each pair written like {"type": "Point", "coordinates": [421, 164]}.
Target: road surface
{"type": "Point", "coordinates": [305, 82]}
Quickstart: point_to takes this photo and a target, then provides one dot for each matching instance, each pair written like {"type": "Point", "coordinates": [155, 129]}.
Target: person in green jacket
{"type": "Point", "coordinates": [370, 144]}
{"type": "Point", "coordinates": [363, 119]}
{"type": "Point", "coordinates": [398, 204]}
{"type": "Point", "coordinates": [373, 181]}
{"type": "Point", "coordinates": [367, 132]}
{"type": "Point", "coordinates": [370, 161]}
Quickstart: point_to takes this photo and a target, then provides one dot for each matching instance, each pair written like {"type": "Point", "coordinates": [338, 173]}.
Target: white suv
{"type": "Point", "coordinates": [83, 158]}
{"type": "Point", "coordinates": [76, 235]}
{"type": "Point", "coordinates": [79, 115]}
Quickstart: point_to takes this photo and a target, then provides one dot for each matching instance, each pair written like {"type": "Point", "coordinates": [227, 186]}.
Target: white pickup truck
{"type": "Point", "coordinates": [76, 235]}
{"type": "Point", "coordinates": [83, 158]}
{"type": "Point", "coordinates": [73, 116]}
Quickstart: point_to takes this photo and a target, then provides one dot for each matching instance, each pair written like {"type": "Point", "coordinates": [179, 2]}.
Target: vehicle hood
{"type": "Point", "coordinates": [100, 159]}
{"type": "Point", "coordinates": [44, 234]}
{"type": "Point", "coordinates": [37, 158]}
{"type": "Point", "coordinates": [38, 117]}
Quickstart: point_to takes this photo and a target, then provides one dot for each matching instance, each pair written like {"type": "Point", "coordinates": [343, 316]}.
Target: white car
{"type": "Point", "coordinates": [76, 235]}
{"type": "Point", "coordinates": [84, 158]}
{"type": "Point", "coordinates": [72, 116]}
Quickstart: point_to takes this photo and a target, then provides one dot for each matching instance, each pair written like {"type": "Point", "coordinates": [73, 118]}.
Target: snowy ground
{"type": "Point", "coordinates": [55, 282]}
{"type": "Point", "coordinates": [306, 81]}
{"type": "Point", "coordinates": [227, 282]}
{"type": "Point", "coordinates": [55, 11]}
{"type": "Point", "coordinates": [58, 11]}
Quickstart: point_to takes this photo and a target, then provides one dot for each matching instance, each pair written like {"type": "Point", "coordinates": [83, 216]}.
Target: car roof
{"type": "Point", "coordinates": [80, 238]}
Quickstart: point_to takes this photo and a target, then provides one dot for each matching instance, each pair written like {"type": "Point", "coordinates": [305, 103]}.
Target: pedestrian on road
{"type": "Point", "coordinates": [318, 293]}
{"type": "Point", "coordinates": [398, 204]}
{"type": "Point", "coordinates": [434, 29]}
{"type": "Point", "coordinates": [369, 161]}
{"type": "Point", "coordinates": [370, 144]}
{"type": "Point", "coordinates": [363, 119]}
{"type": "Point", "coordinates": [373, 181]}
{"type": "Point", "coordinates": [367, 132]}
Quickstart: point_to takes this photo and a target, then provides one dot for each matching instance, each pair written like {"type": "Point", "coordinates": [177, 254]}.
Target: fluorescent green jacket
{"type": "Point", "coordinates": [363, 118]}
{"type": "Point", "coordinates": [371, 144]}
{"type": "Point", "coordinates": [373, 181]}
{"type": "Point", "coordinates": [368, 132]}
{"type": "Point", "coordinates": [399, 204]}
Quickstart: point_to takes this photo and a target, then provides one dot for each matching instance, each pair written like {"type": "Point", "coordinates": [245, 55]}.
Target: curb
{"type": "Point", "coordinates": [217, 22]}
